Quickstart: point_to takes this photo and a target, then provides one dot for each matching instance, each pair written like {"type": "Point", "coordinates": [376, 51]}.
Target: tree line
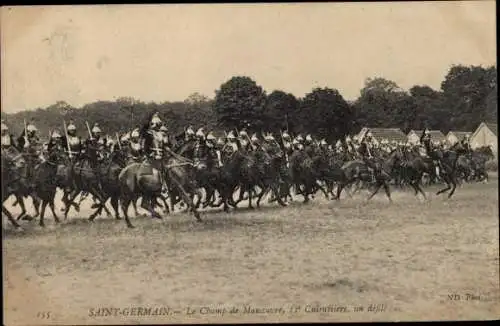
{"type": "Point", "coordinates": [467, 96]}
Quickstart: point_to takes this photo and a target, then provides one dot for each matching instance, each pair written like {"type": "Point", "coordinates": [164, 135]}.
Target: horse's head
{"type": "Point", "coordinates": [486, 151]}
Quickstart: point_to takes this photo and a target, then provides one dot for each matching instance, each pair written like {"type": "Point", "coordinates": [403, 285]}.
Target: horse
{"type": "Point", "coordinates": [179, 174]}
{"type": "Point", "coordinates": [447, 161]}
{"type": "Point", "coordinates": [14, 172]}
{"type": "Point", "coordinates": [45, 184]}
{"type": "Point", "coordinates": [411, 170]}
{"type": "Point", "coordinates": [360, 170]}
{"type": "Point", "coordinates": [84, 176]}
{"type": "Point", "coordinates": [109, 171]}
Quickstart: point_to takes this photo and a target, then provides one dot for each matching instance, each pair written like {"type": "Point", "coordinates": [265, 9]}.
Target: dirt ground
{"type": "Point", "coordinates": [324, 261]}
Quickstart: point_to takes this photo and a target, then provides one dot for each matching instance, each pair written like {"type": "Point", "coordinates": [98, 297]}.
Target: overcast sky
{"type": "Point", "coordinates": [166, 52]}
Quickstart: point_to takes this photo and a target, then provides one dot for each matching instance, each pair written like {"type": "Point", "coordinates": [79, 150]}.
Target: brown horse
{"type": "Point", "coordinates": [14, 173]}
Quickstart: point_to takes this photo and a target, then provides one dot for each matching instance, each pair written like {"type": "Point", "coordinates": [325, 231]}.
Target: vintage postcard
{"type": "Point", "coordinates": [241, 163]}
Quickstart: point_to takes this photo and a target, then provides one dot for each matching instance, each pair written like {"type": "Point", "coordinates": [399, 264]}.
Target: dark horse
{"type": "Point", "coordinates": [447, 162]}
{"type": "Point", "coordinates": [360, 170]}
{"type": "Point", "coordinates": [45, 184]}
{"type": "Point", "coordinates": [13, 180]}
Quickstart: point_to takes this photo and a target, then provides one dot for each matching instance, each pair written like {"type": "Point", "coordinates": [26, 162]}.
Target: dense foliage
{"type": "Point", "coordinates": [468, 96]}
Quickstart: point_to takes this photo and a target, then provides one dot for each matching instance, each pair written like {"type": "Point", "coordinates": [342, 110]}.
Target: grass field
{"type": "Point", "coordinates": [411, 258]}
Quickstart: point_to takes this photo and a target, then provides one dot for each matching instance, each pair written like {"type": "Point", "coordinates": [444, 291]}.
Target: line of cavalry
{"type": "Point", "coordinates": [147, 163]}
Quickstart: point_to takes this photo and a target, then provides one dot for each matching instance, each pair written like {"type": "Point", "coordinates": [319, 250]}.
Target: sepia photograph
{"type": "Point", "coordinates": [249, 163]}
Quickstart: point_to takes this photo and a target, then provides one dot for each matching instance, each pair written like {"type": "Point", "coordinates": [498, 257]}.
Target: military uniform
{"type": "Point", "coordinates": [135, 149]}
{"type": "Point", "coordinates": [244, 143]}
{"type": "Point", "coordinates": [7, 139]}
{"type": "Point", "coordinates": [231, 146]}
{"type": "Point", "coordinates": [200, 150]}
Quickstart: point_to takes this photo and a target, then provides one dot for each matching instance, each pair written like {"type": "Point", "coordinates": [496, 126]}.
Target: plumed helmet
{"type": "Point", "coordinates": [125, 137]}
{"type": "Point", "coordinates": [4, 126]}
{"type": "Point", "coordinates": [31, 128]}
{"type": "Point", "coordinates": [231, 135]}
{"type": "Point", "coordinates": [96, 128]}
{"type": "Point", "coordinates": [296, 141]}
{"type": "Point", "coordinates": [348, 138]}
{"type": "Point", "coordinates": [254, 138]}
{"type": "Point", "coordinates": [71, 126]}
{"type": "Point", "coordinates": [427, 132]}
{"type": "Point", "coordinates": [190, 131]}
{"type": "Point", "coordinates": [286, 135]}
{"type": "Point", "coordinates": [309, 138]}
{"type": "Point", "coordinates": [210, 136]}
{"type": "Point", "coordinates": [56, 134]}
{"type": "Point", "coordinates": [338, 144]}
{"type": "Point", "coordinates": [269, 137]}
{"type": "Point", "coordinates": [135, 133]}
{"type": "Point", "coordinates": [323, 142]}
{"type": "Point", "coordinates": [243, 133]}
{"type": "Point", "coordinates": [155, 120]}
{"type": "Point", "coordinates": [200, 133]}
{"type": "Point", "coordinates": [299, 138]}
{"type": "Point", "coordinates": [163, 128]}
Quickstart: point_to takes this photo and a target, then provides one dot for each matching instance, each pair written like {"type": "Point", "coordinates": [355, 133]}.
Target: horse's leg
{"type": "Point", "coordinates": [448, 184]}
{"type": "Point", "coordinates": [387, 190]}
{"type": "Point", "coordinates": [36, 204]}
{"type": "Point", "coordinates": [250, 196]}
{"type": "Point", "coordinates": [152, 205]}
{"type": "Point", "coordinates": [53, 208]}
{"type": "Point", "coordinates": [42, 213]}
{"type": "Point", "coordinates": [125, 202]}
{"type": "Point", "coordinates": [209, 194]}
{"type": "Point", "coordinates": [10, 217]}
{"type": "Point", "coordinates": [276, 192]}
{"type": "Point", "coordinates": [265, 190]}
{"type": "Point", "coordinates": [419, 188]}
{"type": "Point", "coordinates": [134, 204]}
{"type": "Point", "coordinates": [96, 192]}
{"type": "Point", "coordinates": [166, 209]}
{"type": "Point", "coordinates": [71, 197]}
{"type": "Point", "coordinates": [187, 199]}
{"type": "Point", "coordinates": [453, 185]}
{"type": "Point", "coordinates": [114, 204]}
{"type": "Point", "coordinates": [378, 185]}
{"type": "Point", "coordinates": [20, 199]}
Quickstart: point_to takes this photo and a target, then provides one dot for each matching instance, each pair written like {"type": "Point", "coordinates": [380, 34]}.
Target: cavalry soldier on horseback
{"type": "Point", "coordinates": [255, 141]}
{"type": "Point", "coordinates": [135, 150]}
{"type": "Point", "coordinates": [74, 142]}
{"type": "Point", "coordinates": [287, 143]}
{"type": "Point", "coordinates": [7, 138]}
{"type": "Point", "coordinates": [323, 145]}
{"type": "Point", "coordinates": [244, 141]}
{"type": "Point", "coordinates": [56, 143]}
{"type": "Point", "coordinates": [200, 150]}
{"type": "Point", "coordinates": [309, 146]}
{"type": "Point", "coordinates": [466, 144]}
{"type": "Point", "coordinates": [190, 134]}
{"type": "Point", "coordinates": [29, 141]}
{"type": "Point", "coordinates": [297, 143]}
{"type": "Point", "coordinates": [425, 139]}
{"type": "Point", "coordinates": [166, 139]}
{"type": "Point", "coordinates": [232, 145]}
{"type": "Point", "coordinates": [97, 142]}
{"type": "Point", "coordinates": [152, 138]}
{"type": "Point", "coordinates": [366, 151]}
